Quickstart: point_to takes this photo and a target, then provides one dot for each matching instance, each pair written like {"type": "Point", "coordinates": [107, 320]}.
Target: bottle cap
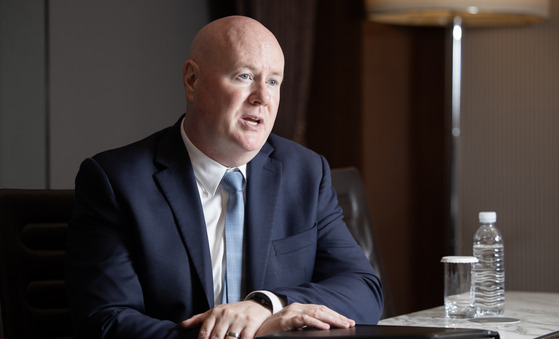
{"type": "Point", "coordinates": [459, 259]}
{"type": "Point", "coordinates": [487, 217]}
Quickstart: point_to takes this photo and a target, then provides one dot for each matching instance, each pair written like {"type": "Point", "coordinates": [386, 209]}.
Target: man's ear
{"type": "Point", "coordinates": [189, 77]}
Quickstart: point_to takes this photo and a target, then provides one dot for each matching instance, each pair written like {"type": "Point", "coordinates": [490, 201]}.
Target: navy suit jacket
{"type": "Point", "coordinates": [138, 259]}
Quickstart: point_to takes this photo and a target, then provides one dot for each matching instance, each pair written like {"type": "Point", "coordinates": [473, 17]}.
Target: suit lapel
{"type": "Point", "coordinates": [178, 185]}
{"type": "Point", "coordinates": [264, 178]}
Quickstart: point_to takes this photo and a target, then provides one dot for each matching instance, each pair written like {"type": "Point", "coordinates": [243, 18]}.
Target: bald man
{"type": "Point", "coordinates": [146, 244]}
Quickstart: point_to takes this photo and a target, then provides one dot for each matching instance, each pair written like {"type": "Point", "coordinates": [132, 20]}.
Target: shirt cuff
{"type": "Point", "coordinates": [278, 303]}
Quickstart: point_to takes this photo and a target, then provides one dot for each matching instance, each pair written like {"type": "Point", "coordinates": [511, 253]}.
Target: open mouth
{"type": "Point", "coordinates": [252, 121]}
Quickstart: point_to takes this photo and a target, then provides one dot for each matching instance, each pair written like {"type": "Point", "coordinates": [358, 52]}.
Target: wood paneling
{"type": "Point", "coordinates": [377, 103]}
{"type": "Point", "coordinates": [404, 156]}
{"type": "Point", "coordinates": [334, 114]}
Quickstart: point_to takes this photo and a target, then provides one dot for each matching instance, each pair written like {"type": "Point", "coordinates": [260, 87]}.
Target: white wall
{"type": "Point", "coordinates": [115, 74]}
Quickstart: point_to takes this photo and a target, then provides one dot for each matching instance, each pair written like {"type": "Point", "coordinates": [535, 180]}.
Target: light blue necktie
{"type": "Point", "coordinates": [234, 221]}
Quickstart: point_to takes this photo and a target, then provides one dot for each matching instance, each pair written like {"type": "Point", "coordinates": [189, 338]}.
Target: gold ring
{"type": "Point", "coordinates": [233, 334]}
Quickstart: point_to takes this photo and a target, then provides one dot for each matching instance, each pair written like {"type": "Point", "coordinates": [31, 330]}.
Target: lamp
{"type": "Point", "coordinates": [456, 14]}
{"type": "Point", "coordinates": [472, 12]}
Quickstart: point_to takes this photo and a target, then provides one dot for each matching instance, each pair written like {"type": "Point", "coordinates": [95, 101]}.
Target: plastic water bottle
{"type": "Point", "coordinates": [489, 272]}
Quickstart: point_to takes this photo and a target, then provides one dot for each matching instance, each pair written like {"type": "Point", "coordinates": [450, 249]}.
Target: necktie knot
{"type": "Point", "coordinates": [232, 181]}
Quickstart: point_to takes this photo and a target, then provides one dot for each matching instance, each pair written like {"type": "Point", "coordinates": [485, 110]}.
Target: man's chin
{"type": "Point", "coordinates": [253, 143]}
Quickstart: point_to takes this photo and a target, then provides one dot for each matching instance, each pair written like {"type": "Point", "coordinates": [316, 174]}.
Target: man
{"type": "Point", "coordinates": [146, 245]}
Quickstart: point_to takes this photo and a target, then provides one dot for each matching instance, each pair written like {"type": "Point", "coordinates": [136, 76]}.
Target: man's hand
{"type": "Point", "coordinates": [297, 316]}
{"type": "Point", "coordinates": [243, 318]}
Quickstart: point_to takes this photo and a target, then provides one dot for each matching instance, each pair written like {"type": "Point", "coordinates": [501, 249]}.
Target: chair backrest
{"type": "Point", "coordinates": [33, 225]}
{"type": "Point", "coordinates": [352, 198]}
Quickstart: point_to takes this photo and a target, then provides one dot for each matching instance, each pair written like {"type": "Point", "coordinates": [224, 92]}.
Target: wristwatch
{"type": "Point", "coordinates": [262, 299]}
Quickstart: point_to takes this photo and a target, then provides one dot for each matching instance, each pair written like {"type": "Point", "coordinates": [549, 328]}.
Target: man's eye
{"type": "Point", "coordinates": [273, 82]}
{"type": "Point", "coordinates": [244, 76]}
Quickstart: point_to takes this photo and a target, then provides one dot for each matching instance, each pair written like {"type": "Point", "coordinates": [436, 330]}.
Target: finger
{"type": "Point", "coordinates": [234, 334]}
{"type": "Point", "coordinates": [250, 330]}
{"type": "Point", "coordinates": [305, 320]}
{"type": "Point", "coordinates": [208, 328]}
{"type": "Point", "coordinates": [331, 317]}
{"type": "Point", "coordinates": [323, 314]}
{"type": "Point", "coordinates": [194, 321]}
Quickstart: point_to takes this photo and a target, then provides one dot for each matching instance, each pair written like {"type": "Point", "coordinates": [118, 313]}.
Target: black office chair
{"type": "Point", "coordinates": [33, 226]}
{"type": "Point", "coordinates": [351, 197]}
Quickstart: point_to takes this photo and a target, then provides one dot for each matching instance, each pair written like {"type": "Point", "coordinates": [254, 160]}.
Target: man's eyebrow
{"type": "Point", "coordinates": [252, 68]}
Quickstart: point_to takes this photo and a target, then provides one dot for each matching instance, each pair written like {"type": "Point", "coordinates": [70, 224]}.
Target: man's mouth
{"type": "Point", "coordinates": [252, 121]}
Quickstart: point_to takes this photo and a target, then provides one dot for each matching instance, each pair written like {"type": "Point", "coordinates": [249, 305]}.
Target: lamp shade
{"type": "Point", "coordinates": [472, 12]}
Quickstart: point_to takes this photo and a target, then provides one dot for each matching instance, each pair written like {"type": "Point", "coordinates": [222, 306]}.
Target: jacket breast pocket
{"type": "Point", "coordinates": [297, 242]}
{"type": "Point", "coordinates": [294, 259]}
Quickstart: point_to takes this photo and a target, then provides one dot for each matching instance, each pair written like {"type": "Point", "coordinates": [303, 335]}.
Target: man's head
{"type": "Point", "coordinates": [232, 83]}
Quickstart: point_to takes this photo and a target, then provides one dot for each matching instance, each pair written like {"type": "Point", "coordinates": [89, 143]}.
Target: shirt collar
{"type": "Point", "coordinates": [207, 171]}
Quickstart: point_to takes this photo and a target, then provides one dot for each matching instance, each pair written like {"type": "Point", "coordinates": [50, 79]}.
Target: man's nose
{"type": "Point", "coordinates": [260, 95]}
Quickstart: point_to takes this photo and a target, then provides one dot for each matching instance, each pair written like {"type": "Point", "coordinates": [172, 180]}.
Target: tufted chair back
{"type": "Point", "coordinates": [33, 226]}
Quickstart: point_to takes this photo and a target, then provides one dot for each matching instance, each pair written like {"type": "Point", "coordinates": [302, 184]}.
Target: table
{"type": "Point", "coordinates": [538, 313]}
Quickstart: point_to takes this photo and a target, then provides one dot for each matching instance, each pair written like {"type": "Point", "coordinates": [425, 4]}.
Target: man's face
{"type": "Point", "coordinates": [236, 99]}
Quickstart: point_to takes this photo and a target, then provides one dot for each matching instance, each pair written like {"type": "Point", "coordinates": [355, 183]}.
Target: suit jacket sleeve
{"type": "Point", "coordinates": [106, 298]}
{"type": "Point", "coordinates": [342, 278]}
{"type": "Point", "coordinates": [314, 258]}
